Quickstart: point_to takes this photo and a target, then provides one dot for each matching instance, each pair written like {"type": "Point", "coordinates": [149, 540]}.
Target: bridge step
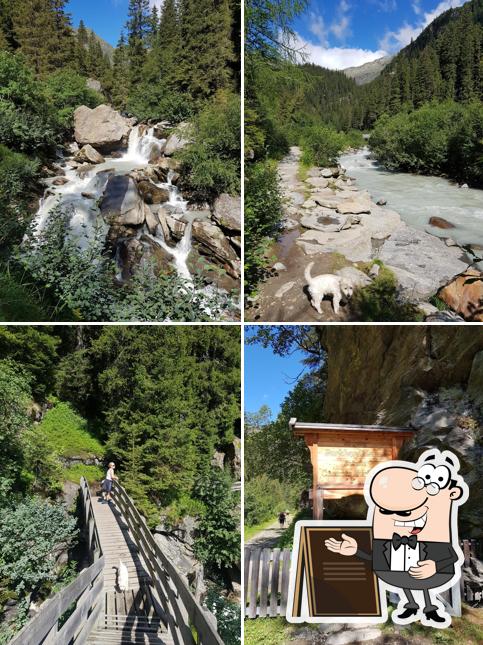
{"type": "Point", "coordinates": [116, 638]}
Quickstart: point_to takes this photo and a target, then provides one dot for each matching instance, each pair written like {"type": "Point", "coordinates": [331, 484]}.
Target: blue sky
{"type": "Point", "coordinates": [268, 377]}
{"type": "Point", "coordinates": [105, 17]}
{"type": "Point", "coordinates": [343, 33]}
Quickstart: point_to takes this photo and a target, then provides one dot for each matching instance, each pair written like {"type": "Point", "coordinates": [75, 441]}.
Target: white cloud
{"type": "Point", "coordinates": [335, 57]}
{"type": "Point", "coordinates": [393, 41]}
{"type": "Point", "coordinates": [341, 26]}
{"type": "Point", "coordinates": [385, 5]}
{"type": "Point", "coordinates": [318, 28]}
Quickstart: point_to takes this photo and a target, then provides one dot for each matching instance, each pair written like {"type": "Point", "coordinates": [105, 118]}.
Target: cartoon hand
{"type": "Point", "coordinates": [346, 546]}
{"type": "Point", "coordinates": [425, 569]}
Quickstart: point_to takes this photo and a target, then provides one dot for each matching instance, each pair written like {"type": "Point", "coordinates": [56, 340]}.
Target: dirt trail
{"type": "Point", "coordinates": [268, 538]}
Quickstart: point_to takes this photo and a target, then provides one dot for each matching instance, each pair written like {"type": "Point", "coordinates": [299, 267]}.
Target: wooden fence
{"type": "Point", "coordinates": [69, 617]}
{"type": "Point", "coordinates": [267, 573]}
{"type": "Point", "coordinates": [178, 605]}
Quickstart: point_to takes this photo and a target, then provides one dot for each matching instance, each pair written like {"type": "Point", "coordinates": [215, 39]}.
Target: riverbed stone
{"type": "Point", "coordinates": [464, 294]}
{"type": "Point", "coordinates": [356, 277]}
{"type": "Point", "coordinates": [103, 128]}
{"type": "Point", "coordinates": [421, 262]}
{"type": "Point", "coordinates": [153, 194]}
{"type": "Point", "coordinates": [317, 182]}
{"type": "Point", "coordinates": [212, 241]}
{"type": "Point", "coordinates": [89, 154]}
{"type": "Point", "coordinates": [178, 140]}
{"type": "Point", "coordinates": [284, 289]}
{"type": "Point", "coordinates": [440, 222]}
{"type": "Point", "coordinates": [355, 206]}
{"type": "Point", "coordinates": [327, 173]}
{"type": "Point", "coordinates": [227, 212]}
{"type": "Point", "coordinates": [121, 203]}
{"type": "Point", "coordinates": [322, 220]}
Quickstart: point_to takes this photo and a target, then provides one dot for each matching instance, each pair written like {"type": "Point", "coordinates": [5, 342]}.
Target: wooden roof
{"type": "Point", "coordinates": [300, 428]}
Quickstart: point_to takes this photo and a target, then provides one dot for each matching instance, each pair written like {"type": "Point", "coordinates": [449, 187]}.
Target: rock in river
{"type": "Point", "coordinates": [121, 204]}
{"type": "Point", "coordinates": [89, 154]}
{"type": "Point", "coordinates": [178, 140]}
{"type": "Point", "coordinates": [103, 128]}
{"type": "Point", "coordinates": [153, 194]}
{"type": "Point", "coordinates": [440, 222]}
{"type": "Point", "coordinates": [464, 295]}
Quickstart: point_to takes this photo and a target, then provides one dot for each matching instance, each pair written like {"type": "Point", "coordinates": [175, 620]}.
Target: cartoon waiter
{"type": "Point", "coordinates": [413, 510]}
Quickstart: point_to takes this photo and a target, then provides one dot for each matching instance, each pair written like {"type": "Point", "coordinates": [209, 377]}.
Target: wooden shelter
{"type": "Point", "coordinates": [342, 455]}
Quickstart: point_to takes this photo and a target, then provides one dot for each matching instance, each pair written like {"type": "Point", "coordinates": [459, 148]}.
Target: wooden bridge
{"type": "Point", "coordinates": [158, 607]}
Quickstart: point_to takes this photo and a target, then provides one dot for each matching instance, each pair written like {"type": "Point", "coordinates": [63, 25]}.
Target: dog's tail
{"type": "Point", "coordinates": [308, 272]}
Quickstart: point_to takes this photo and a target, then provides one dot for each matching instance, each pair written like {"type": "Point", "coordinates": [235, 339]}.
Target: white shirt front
{"type": "Point", "coordinates": [110, 474]}
{"type": "Point", "coordinates": [404, 558]}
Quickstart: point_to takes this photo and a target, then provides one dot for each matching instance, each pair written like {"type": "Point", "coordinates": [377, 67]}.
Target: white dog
{"type": "Point", "coordinates": [327, 285]}
{"type": "Point", "coordinates": [122, 577]}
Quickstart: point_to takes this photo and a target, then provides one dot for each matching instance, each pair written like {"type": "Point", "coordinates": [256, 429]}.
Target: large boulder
{"type": "Point", "coordinates": [153, 194]}
{"type": "Point", "coordinates": [212, 242]}
{"type": "Point", "coordinates": [421, 262]}
{"type": "Point", "coordinates": [178, 139]}
{"type": "Point", "coordinates": [88, 154]}
{"type": "Point", "coordinates": [103, 128]}
{"type": "Point", "coordinates": [464, 294]}
{"type": "Point", "coordinates": [227, 212]}
{"type": "Point", "coordinates": [121, 203]}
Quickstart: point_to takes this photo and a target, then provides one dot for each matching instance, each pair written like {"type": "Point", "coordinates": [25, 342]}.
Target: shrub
{"type": "Point", "coordinates": [155, 101]}
{"type": "Point", "coordinates": [380, 301]}
{"type": "Point", "coordinates": [439, 138]}
{"type": "Point", "coordinates": [263, 218]}
{"type": "Point", "coordinates": [218, 539]}
{"type": "Point", "coordinates": [211, 164]}
{"type": "Point", "coordinates": [17, 174]}
{"type": "Point", "coordinates": [66, 90]}
{"type": "Point", "coordinates": [19, 300]}
{"type": "Point", "coordinates": [32, 535]}
{"type": "Point", "coordinates": [265, 498]}
{"type": "Point", "coordinates": [322, 145]}
{"type": "Point", "coordinates": [227, 613]}
{"type": "Point", "coordinates": [27, 120]}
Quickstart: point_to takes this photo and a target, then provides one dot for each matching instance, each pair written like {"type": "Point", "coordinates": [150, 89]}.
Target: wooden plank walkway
{"type": "Point", "coordinates": [129, 616]}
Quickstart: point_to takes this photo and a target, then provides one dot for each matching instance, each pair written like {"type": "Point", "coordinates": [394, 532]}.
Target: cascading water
{"type": "Point", "coordinates": [80, 194]}
{"type": "Point", "coordinates": [417, 198]}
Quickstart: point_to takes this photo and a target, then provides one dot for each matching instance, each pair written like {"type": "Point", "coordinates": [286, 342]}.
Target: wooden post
{"type": "Point", "coordinates": [319, 503]}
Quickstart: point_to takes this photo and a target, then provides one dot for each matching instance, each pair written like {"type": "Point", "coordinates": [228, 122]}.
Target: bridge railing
{"type": "Point", "coordinates": [90, 526]}
{"type": "Point", "coordinates": [69, 616]}
{"type": "Point", "coordinates": [179, 605]}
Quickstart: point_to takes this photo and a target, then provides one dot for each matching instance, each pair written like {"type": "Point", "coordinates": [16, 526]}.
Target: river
{"type": "Point", "coordinates": [417, 198]}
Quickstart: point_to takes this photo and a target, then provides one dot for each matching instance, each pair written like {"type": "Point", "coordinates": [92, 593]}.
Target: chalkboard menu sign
{"type": "Point", "coordinates": [329, 587]}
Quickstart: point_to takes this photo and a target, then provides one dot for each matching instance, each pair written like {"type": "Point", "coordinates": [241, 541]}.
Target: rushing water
{"type": "Point", "coordinates": [417, 198]}
{"type": "Point", "coordinates": [81, 192]}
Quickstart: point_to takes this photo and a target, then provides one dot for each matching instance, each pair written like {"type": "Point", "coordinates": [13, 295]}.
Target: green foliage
{"type": "Point", "coordinates": [44, 468]}
{"type": "Point", "coordinates": [211, 164]}
{"type": "Point", "coordinates": [17, 175]}
{"type": "Point", "coordinates": [380, 301]}
{"type": "Point", "coordinates": [66, 90]}
{"type": "Point", "coordinates": [227, 613]}
{"type": "Point", "coordinates": [93, 474]}
{"type": "Point", "coordinates": [32, 535]}
{"type": "Point", "coordinates": [218, 539]}
{"type": "Point", "coordinates": [14, 419]}
{"type": "Point", "coordinates": [159, 102]}
{"type": "Point", "coordinates": [444, 138]}
{"type": "Point", "coordinates": [81, 280]}
{"type": "Point", "coordinates": [266, 497]}
{"type": "Point", "coordinates": [27, 121]}
{"type": "Point", "coordinates": [36, 350]}
{"type": "Point", "coordinates": [263, 217]}
{"type": "Point", "coordinates": [322, 145]}
{"type": "Point", "coordinates": [67, 432]}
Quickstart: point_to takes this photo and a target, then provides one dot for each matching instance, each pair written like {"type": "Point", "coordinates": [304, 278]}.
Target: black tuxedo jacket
{"type": "Point", "coordinates": [441, 552]}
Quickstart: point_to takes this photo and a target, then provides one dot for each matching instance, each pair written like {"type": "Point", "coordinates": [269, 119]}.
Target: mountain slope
{"type": "Point", "coordinates": [369, 71]}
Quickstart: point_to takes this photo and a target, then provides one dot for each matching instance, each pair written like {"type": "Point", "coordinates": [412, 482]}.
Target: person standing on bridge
{"type": "Point", "coordinates": [107, 485]}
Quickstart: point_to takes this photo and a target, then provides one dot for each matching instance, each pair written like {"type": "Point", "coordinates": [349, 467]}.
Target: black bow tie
{"type": "Point", "coordinates": [397, 540]}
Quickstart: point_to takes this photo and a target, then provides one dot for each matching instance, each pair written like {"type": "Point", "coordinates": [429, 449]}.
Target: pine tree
{"type": "Point", "coordinates": [138, 32]}
{"type": "Point", "coordinates": [44, 34]}
{"type": "Point", "coordinates": [120, 74]}
{"type": "Point", "coordinates": [163, 58]}
{"type": "Point", "coordinates": [207, 51]}
{"type": "Point", "coordinates": [82, 44]}
{"type": "Point", "coordinates": [153, 28]}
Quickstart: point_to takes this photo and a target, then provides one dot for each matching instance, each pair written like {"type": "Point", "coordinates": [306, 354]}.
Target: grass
{"type": "Point", "coordinates": [250, 531]}
{"type": "Point", "coordinates": [266, 631]}
{"type": "Point", "coordinates": [19, 302]}
{"type": "Point", "coordinates": [91, 473]}
{"type": "Point", "coordinates": [67, 432]}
